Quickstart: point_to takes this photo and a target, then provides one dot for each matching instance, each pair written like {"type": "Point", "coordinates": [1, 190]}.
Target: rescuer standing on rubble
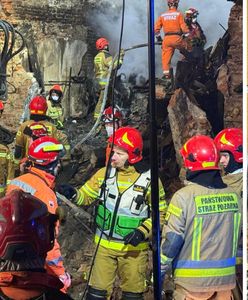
{"type": "Point", "coordinates": [123, 217]}
{"type": "Point", "coordinates": [42, 168]}
{"type": "Point", "coordinates": [112, 120]}
{"type": "Point", "coordinates": [55, 110]}
{"type": "Point", "coordinates": [175, 29]}
{"type": "Point", "coordinates": [196, 37]}
{"type": "Point", "coordinates": [229, 143]}
{"type": "Point", "coordinates": [37, 108]}
{"type": "Point", "coordinates": [27, 234]}
{"type": "Point", "coordinates": [202, 227]}
{"type": "Point", "coordinates": [7, 170]}
{"type": "Point", "coordinates": [102, 64]}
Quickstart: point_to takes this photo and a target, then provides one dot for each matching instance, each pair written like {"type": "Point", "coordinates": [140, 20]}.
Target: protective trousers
{"type": "Point", "coordinates": [170, 43]}
{"type": "Point", "coordinates": [182, 294]}
{"type": "Point", "coordinates": [131, 267]}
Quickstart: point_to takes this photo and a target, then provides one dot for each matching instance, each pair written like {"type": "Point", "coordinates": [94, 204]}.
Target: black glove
{"type": "Point", "coordinates": [159, 38]}
{"type": "Point", "coordinates": [67, 190]}
{"type": "Point", "coordinates": [134, 238]}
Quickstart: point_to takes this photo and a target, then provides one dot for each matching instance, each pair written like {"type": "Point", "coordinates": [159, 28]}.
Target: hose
{"type": "Point", "coordinates": [7, 53]}
{"type": "Point", "coordinates": [95, 126]}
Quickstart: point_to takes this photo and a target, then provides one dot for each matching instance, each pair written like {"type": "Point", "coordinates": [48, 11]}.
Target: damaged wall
{"type": "Point", "coordinates": [229, 79]}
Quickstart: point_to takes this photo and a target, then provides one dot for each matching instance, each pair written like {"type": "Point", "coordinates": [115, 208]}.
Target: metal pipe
{"type": "Point", "coordinates": [154, 157]}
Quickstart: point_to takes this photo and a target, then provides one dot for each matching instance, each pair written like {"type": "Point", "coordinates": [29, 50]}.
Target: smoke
{"type": "Point", "coordinates": [107, 22]}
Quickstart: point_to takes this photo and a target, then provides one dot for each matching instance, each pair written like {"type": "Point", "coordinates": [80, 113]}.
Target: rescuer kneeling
{"type": "Point", "coordinates": [199, 244]}
{"type": "Point", "coordinates": [123, 217]}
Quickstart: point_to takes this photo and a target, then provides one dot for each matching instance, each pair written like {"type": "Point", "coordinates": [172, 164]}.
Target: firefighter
{"type": "Point", "coordinates": [37, 108]}
{"type": "Point", "coordinates": [55, 110]}
{"type": "Point", "coordinates": [175, 29]}
{"type": "Point", "coordinates": [43, 166]}
{"type": "Point", "coordinates": [124, 204]}
{"type": "Point", "coordinates": [26, 237]}
{"type": "Point", "coordinates": [6, 162]}
{"type": "Point", "coordinates": [102, 63]}
{"type": "Point", "coordinates": [196, 37]}
{"type": "Point", "coordinates": [202, 227]}
{"type": "Point", "coordinates": [112, 120]}
{"type": "Point", "coordinates": [229, 142]}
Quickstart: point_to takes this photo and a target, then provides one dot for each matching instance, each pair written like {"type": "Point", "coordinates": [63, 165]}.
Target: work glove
{"type": "Point", "coordinates": [67, 190]}
{"type": "Point", "coordinates": [134, 238]}
{"type": "Point", "coordinates": [159, 39]}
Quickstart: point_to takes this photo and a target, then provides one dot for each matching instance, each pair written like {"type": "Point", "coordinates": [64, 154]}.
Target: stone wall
{"type": "Point", "coordinates": [230, 76]}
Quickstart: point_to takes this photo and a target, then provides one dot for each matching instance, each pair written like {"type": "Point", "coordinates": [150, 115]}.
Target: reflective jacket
{"type": "Point", "coordinates": [102, 64]}
{"type": "Point", "coordinates": [235, 181]}
{"type": "Point", "coordinates": [201, 237]}
{"type": "Point", "coordinates": [19, 285]}
{"type": "Point", "coordinates": [56, 113]}
{"type": "Point", "coordinates": [172, 22]}
{"type": "Point", "coordinates": [23, 141]}
{"type": "Point", "coordinates": [7, 170]}
{"type": "Point", "coordinates": [121, 211]}
{"type": "Point", "coordinates": [39, 184]}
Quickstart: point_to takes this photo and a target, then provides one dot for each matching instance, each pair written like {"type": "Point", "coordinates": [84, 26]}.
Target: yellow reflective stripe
{"type": "Point", "coordinates": [2, 188]}
{"type": "Point", "coordinates": [164, 259]}
{"type": "Point", "coordinates": [161, 193]}
{"type": "Point", "coordinates": [205, 272]}
{"type": "Point", "coordinates": [120, 246]}
{"type": "Point", "coordinates": [175, 210]}
{"type": "Point", "coordinates": [88, 191]}
{"type": "Point", "coordinates": [196, 241]}
{"type": "Point", "coordinates": [162, 204]}
{"type": "Point", "coordinates": [236, 224]}
{"type": "Point", "coordinates": [3, 154]}
{"type": "Point", "coordinates": [8, 181]}
{"type": "Point", "coordinates": [148, 222]}
{"type": "Point", "coordinates": [80, 197]}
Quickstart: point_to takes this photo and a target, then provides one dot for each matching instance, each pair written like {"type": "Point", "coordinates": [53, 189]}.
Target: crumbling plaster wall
{"type": "Point", "coordinates": [56, 33]}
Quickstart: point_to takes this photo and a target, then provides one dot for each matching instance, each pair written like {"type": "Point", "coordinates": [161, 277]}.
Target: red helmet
{"type": "Point", "coordinates": [101, 43]}
{"type": "Point", "coordinates": [26, 227]}
{"type": "Point", "coordinates": [38, 130]}
{"type": "Point", "coordinates": [1, 106]}
{"type": "Point", "coordinates": [173, 3]}
{"type": "Point", "coordinates": [191, 13]}
{"type": "Point", "coordinates": [130, 139]}
{"type": "Point", "coordinates": [231, 140]}
{"type": "Point", "coordinates": [38, 106]}
{"type": "Point", "coordinates": [45, 150]}
{"type": "Point", "coordinates": [109, 113]}
{"type": "Point", "coordinates": [200, 153]}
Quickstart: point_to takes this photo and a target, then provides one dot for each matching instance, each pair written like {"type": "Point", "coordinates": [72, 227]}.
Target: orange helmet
{"type": "Point", "coordinates": [26, 227]}
{"type": "Point", "coordinates": [1, 106]}
{"type": "Point", "coordinates": [38, 106]}
{"type": "Point", "coordinates": [57, 89]}
{"type": "Point", "coordinates": [101, 43]}
{"type": "Point", "coordinates": [200, 153]}
{"type": "Point", "coordinates": [45, 150]}
{"type": "Point", "coordinates": [129, 139]}
{"type": "Point", "coordinates": [109, 114]}
{"type": "Point", "coordinates": [231, 140]}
